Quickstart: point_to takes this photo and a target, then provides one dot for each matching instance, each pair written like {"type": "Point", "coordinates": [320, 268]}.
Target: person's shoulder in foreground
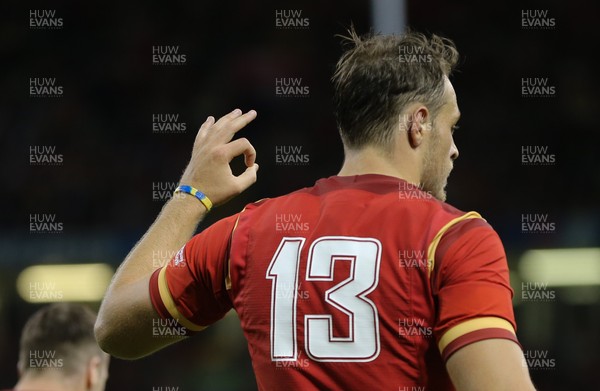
{"type": "Point", "coordinates": [367, 279]}
{"type": "Point", "coordinates": [58, 351]}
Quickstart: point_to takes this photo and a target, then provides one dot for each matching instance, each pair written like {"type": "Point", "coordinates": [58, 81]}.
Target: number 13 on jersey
{"type": "Point", "coordinates": [349, 297]}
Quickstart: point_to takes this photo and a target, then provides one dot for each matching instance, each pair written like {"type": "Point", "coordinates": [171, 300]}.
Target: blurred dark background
{"type": "Point", "coordinates": [102, 125]}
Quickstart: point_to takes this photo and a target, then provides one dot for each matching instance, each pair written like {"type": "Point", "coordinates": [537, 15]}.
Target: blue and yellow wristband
{"type": "Point", "coordinates": [196, 193]}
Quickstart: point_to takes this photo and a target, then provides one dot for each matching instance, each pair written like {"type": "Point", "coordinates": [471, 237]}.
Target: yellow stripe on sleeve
{"type": "Point", "coordinates": [228, 277]}
{"type": "Point", "coordinates": [436, 239]}
{"type": "Point", "coordinates": [169, 303]}
{"type": "Point", "coordinates": [468, 326]}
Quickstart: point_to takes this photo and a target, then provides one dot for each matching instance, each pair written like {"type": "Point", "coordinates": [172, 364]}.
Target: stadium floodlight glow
{"type": "Point", "coordinates": [561, 267]}
{"type": "Point", "coordinates": [72, 282]}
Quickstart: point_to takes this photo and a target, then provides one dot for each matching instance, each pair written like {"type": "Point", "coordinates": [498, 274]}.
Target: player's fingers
{"type": "Point", "coordinates": [241, 146]}
{"type": "Point", "coordinates": [247, 178]}
{"type": "Point", "coordinates": [224, 131]}
{"type": "Point", "coordinates": [228, 117]}
{"type": "Point", "coordinates": [210, 120]}
{"type": "Point", "coordinates": [204, 127]}
{"type": "Point", "coordinates": [239, 122]}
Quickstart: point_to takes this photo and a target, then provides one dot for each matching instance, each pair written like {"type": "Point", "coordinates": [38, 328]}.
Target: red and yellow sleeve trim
{"type": "Point", "coordinates": [475, 330]}
{"type": "Point", "coordinates": [165, 300]}
{"type": "Point", "coordinates": [228, 277]}
{"type": "Point", "coordinates": [436, 239]}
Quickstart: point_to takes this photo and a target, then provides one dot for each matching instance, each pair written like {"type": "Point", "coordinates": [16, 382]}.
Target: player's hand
{"type": "Point", "coordinates": [209, 170]}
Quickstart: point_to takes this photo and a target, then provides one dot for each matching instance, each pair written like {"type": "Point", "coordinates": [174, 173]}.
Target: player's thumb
{"type": "Point", "coordinates": [248, 177]}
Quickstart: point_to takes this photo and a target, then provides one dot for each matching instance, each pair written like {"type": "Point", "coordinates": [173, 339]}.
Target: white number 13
{"type": "Point", "coordinates": [348, 296]}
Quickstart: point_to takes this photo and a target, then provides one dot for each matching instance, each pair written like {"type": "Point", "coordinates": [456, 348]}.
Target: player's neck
{"type": "Point", "coordinates": [41, 384]}
{"type": "Point", "coordinates": [371, 160]}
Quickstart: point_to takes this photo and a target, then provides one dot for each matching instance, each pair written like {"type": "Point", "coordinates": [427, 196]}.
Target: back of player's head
{"type": "Point", "coordinates": [58, 337]}
{"type": "Point", "coordinates": [379, 75]}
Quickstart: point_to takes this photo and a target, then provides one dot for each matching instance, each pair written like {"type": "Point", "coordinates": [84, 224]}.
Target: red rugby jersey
{"type": "Point", "coordinates": [360, 282]}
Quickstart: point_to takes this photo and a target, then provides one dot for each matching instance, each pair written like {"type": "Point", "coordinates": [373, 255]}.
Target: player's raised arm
{"type": "Point", "coordinates": [124, 324]}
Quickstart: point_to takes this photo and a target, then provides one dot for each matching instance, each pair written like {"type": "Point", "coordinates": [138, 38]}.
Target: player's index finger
{"type": "Point", "coordinates": [242, 146]}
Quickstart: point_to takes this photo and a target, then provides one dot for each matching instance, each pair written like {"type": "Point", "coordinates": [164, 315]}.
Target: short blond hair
{"type": "Point", "coordinates": [373, 82]}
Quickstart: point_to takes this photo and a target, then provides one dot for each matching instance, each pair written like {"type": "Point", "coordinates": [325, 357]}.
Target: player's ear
{"type": "Point", "coordinates": [419, 123]}
{"type": "Point", "coordinates": [93, 372]}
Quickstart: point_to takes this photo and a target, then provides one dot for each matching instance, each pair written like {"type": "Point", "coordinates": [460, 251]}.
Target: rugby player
{"type": "Point", "coordinates": [382, 285]}
{"type": "Point", "coordinates": [58, 351]}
